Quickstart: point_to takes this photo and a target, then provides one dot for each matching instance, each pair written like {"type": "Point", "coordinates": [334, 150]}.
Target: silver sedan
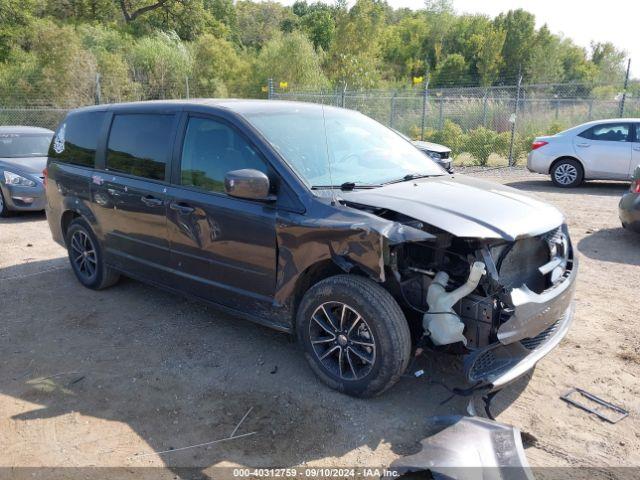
{"type": "Point", "coordinates": [599, 150]}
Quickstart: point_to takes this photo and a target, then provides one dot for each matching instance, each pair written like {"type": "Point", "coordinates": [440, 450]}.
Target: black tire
{"type": "Point", "coordinates": [380, 336]}
{"type": "Point", "coordinates": [4, 209]}
{"type": "Point", "coordinates": [567, 173]}
{"type": "Point", "coordinates": [86, 258]}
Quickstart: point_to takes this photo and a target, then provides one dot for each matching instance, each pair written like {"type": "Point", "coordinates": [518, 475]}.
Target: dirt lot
{"type": "Point", "coordinates": [107, 378]}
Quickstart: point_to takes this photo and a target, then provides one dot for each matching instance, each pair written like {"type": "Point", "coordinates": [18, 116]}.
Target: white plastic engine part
{"type": "Point", "coordinates": [441, 323]}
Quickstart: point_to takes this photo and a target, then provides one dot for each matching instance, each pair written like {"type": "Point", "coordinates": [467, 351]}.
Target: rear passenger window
{"type": "Point", "coordinates": [140, 144]}
{"type": "Point", "coordinates": [210, 150]}
{"type": "Point", "coordinates": [608, 133]}
{"type": "Point", "coordinates": [77, 137]}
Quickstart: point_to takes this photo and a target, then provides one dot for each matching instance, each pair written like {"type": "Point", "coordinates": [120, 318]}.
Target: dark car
{"type": "Point", "coordinates": [316, 221]}
{"type": "Point", "coordinates": [23, 157]}
{"type": "Point", "coordinates": [629, 207]}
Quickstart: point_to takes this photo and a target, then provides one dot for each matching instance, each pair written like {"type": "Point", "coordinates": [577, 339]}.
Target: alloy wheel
{"type": "Point", "coordinates": [566, 174]}
{"type": "Point", "coordinates": [83, 254]}
{"type": "Point", "coordinates": [342, 341]}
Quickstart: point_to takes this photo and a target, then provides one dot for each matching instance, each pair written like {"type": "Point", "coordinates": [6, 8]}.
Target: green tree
{"type": "Point", "coordinates": [404, 47]}
{"type": "Point", "coordinates": [453, 70]}
{"type": "Point", "coordinates": [317, 22]}
{"type": "Point", "coordinates": [218, 69]}
{"type": "Point", "coordinates": [610, 62]}
{"type": "Point", "coordinates": [355, 55]}
{"type": "Point", "coordinates": [519, 28]}
{"type": "Point", "coordinates": [160, 65]}
{"type": "Point", "coordinates": [488, 55]}
{"type": "Point", "coordinates": [289, 58]}
{"type": "Point", "coordinates": [260, 22]}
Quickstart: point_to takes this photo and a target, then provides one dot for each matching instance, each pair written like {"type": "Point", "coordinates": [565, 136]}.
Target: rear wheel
{"type": "Point", "coordinates": [85, 255]}
{"type": "Point", "coordinates": [567, 173]}
{"type": "Point", "coordinates": [354, 334]}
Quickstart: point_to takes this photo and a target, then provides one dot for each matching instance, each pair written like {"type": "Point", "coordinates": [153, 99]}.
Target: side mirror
{"type": "Point", "coordinates": [248, 183]}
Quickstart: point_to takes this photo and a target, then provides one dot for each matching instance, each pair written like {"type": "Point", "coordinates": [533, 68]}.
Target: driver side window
{"type": "Point", "coordinates": [210, 150]}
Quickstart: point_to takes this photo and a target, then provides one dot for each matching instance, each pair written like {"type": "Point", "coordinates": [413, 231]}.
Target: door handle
{"type": "Point", "coordinates": [584, 145]}
{"type": "Point", "coordinates": [637, 149]}
{"type": "Point", "coordinates": [151, 201]}
{"type": "Point", "coordinates": [181, 208]}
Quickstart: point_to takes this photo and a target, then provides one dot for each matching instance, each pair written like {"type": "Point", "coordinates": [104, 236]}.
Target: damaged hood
{"type": "Point", "coordinates": [464, 206]}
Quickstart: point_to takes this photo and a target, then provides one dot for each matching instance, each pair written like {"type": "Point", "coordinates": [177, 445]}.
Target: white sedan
{"type": "Point", "coordinates": [599, 150]}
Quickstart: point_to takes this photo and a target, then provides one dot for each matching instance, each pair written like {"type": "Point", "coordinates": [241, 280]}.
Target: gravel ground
{"type": "Point", "coordinates": [108, 378]}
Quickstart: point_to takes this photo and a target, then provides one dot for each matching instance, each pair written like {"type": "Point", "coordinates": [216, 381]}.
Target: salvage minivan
{"type": "Point", "coordinates": [317, 221]}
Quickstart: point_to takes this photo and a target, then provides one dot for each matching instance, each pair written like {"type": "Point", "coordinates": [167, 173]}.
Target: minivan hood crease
{"type": "Point", "coordinates": [463, 206]}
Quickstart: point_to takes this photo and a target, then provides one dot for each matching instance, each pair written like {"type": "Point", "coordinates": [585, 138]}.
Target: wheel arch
{"type": "Point", "coordinates": [568, 157]}
{"type": "Point", "coordinates": [66, 218]}
{"type": "Point", "coordinates": [317, 272]}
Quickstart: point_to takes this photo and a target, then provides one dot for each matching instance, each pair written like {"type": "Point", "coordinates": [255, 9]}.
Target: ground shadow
{"type": "Point", "coordinates": [601, 188]}
{"type": "Point", "coordinates": [598, 245]}
{"type": "Point", "coordinates": [19, 217]}
{"type": "Point", "coordinates": [179, 373]}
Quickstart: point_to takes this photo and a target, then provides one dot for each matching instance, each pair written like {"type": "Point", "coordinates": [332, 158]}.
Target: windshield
{"type": "Point", "coordinates": [14, 145]}
{"type": "Point", "coordinates": [343, 147]}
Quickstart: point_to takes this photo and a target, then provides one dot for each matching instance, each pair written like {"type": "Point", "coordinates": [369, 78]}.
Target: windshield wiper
{"type": "Point", "coordinates": [411, 176]}
{"type": "Point", "coordinates": [345, 186]}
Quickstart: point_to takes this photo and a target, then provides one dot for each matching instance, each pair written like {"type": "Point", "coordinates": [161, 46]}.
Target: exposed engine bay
{"type": "Point", "coordinates": [478, 296]}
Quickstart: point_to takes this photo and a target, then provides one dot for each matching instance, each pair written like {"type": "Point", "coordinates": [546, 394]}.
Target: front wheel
{"type": "Point", "coordinates": [4, 209]}
{"type": "Point", "coordinates": [567, 173]}
{"type": "Point", "coordinates": [85, 256]}
{"type": "Point", "coordinates": [354, 334]}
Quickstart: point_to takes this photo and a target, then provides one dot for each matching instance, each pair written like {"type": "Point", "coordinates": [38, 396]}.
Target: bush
{"type": "Point", "coordinates": [481, 143]}
{"type": "Point", "coordinates": [451, 136]}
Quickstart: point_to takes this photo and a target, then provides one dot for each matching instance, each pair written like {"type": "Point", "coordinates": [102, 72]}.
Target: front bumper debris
{"type": "Point", "coordinates": [538, 323]}
{"type": "Point", "coordinates": [497, 365]}
{"type": "Point", "coordinates": [468, 448]}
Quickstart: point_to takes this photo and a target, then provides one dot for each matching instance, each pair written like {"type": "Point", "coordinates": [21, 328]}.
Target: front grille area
{"type": "Point", "coordinates": [538, 340]}
{"type": "Point", "coordinates": [487, 364]}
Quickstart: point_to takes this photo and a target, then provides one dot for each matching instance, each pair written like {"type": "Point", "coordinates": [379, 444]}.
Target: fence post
{"type": "Point", "coordinates": [441, 114]}
{"type": "Point", "coordinates": [515, 119]}
{"type": "Point", "coordinates": [485, 106]}
{"type": "Point", "coordinates": [343, 94]}
{"type": "Point", "coordinates": [270, 89]}
{"type": "Point", "coordinates": [424, 103]}
{"type": "Point", "coordinates": [392, 114]}
{"type": "Point", "coordinates": [98, 97]}
{"type": "Point", "coordinates": [590, 109]}
{"type": "Point", "coordinates": [186, 84]}
{"type": "Point", "coordinates": [624, 91]}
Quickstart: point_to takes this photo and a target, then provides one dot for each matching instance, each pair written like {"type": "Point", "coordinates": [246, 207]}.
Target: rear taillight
{"type": "Point", "coordinates": [537, 144]}
{"type": "Point", "coordinates": [44, 177]}
{"type": "Point", "coordinates": [635, 186]}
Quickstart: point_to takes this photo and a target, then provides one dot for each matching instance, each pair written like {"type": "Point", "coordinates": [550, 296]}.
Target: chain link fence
{"type": "Point", "coordinates": [483, 126]}
{"type": "Point", "coordinates": [490, 126]}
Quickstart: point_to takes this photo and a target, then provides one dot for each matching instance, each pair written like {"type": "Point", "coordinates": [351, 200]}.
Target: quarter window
{"type": "Point", "coordinates": [77, 137]}
{"type": "Point", "coordinates": [608, 133]}
{"type": "Point", "coordinates": [140, 145]}
{"type": "Point", "coordinates": [210, 150]}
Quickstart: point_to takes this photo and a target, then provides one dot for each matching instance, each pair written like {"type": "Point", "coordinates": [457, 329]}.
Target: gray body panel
{"type": "Point", "coordinates": [464, 206]}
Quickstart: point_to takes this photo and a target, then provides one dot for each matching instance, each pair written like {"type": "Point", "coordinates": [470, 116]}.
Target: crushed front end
{"type": "Point", "coordinates": [502, 304]}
